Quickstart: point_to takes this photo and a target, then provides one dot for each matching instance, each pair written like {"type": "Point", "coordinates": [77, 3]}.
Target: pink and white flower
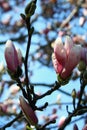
{"type": "Point", "coordinates": [65, 57]}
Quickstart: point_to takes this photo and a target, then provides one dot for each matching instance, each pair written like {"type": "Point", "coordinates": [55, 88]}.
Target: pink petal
{"type": "Point", "coordinates": [73, 59]}
{"type": "Point", "coordinates": [57, 66]}
{"type": "Point", "coordinates": [19, 53]}
{"type": "Point", "coordinates": [68, 45]}
{"type": "Point", "coordinates": [60, 51]}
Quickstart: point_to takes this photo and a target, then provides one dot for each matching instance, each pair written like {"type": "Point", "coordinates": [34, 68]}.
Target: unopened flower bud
{"type": "Point", "coordinates": [73, 94]}
{"type": "Point", "coordinates": [30, 8]}
{"type": "Point", "coordinates": [13, 60]}
{"type": "Point", "coordinates": [28, 112]}
{"type": "Point", "coordinates": [11, 56]}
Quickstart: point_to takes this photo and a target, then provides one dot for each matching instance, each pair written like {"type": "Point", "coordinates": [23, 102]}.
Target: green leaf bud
{"type": "Point", "coordinates": [81, 66]}
{"type": "Point", "coordinates": [73, 94]}
{"type": "Point", "coordinates": [30, 9]}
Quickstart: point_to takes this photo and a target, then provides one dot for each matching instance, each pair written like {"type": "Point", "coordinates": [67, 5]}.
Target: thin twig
{"type": "Point", "coordinates": [76, 112]}
{"type": "Point", "coordinates": [74, 11]}
{"type": "Point", "coordinates": [55, 87]}
{"type": "Point", "coordinates": [69, 17]}
{"type": "Point", "coordinates": [11, 122]}
{"type": "Point", "coordinates": [51, 85]}
{"type": "Point", "coordinates": [22, 89]}
{"type": "Point", "coordinates": [81, 93]}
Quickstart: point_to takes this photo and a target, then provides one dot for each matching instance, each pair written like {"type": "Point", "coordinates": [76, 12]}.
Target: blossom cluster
{"type": "Point", "coordinates": [13, 58]}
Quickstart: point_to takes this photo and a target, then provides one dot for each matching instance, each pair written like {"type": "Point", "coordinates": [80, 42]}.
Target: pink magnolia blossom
{"type": "Point", "coordinates": [11, 56]}
{"type": "Point", "coordinates": [65, 57]}
{"type": "Point", "coordinates": [28, 111]}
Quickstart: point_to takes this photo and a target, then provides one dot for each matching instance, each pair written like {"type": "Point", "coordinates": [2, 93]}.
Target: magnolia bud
{"type": "Point", "coordinates": [11, 56]}
{"type": "Point", "coordinates": [13, 59]}
{"type": "Point", "coordinates": [73, 94]}
{"type": "Point", "coordinates": [28, 112]}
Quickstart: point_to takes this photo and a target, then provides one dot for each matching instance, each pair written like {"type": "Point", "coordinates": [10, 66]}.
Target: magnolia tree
{"type": "Point", "coordinates": [58, 28]}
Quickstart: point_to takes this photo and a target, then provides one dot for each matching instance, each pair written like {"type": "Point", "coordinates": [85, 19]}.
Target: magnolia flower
{"type": "Point", "coordinates": [65, 57]}
{"type": "Point", "coordinates": [12, 57]}
{"type": "Point", "coordinates": [28, 111]}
